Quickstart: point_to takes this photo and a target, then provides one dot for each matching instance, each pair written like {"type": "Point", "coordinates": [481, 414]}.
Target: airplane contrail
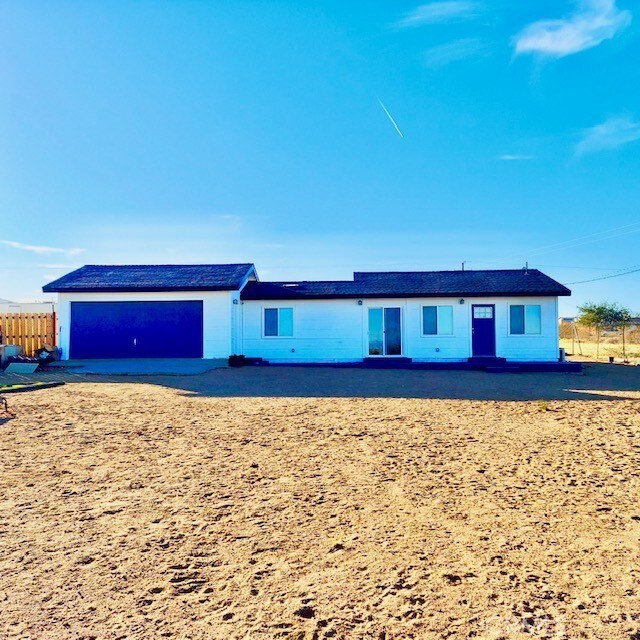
{"type": "Point", "coordinates": [393, 122]}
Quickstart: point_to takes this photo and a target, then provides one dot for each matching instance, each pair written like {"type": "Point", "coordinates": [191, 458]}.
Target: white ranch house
{"type": "Point", "coordinates": [217, 311]}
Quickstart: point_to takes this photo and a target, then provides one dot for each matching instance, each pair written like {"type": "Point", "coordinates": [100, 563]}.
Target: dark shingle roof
{"type": "Point", "coordinates": [414, 284]}
{"type": "Point", "coordinates": [161, 277]}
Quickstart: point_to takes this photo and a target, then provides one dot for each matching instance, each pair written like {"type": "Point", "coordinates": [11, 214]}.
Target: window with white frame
{"type": "Point", "coordinates": [483, 311]}
{"type": "Point", "coordinates": [525, 319]}
{"type": "Point", "coordinates": [278, 322]}
{"type": "Point", "coordinates": [437, 320]}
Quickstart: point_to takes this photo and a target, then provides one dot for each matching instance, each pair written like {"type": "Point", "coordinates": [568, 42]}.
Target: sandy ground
{"type": "Point", "coordinates": [590, 349]}
{"type": "Point", "coordinates": [132, 510]}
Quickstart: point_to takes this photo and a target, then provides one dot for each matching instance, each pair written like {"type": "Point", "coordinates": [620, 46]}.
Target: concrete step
{"type": "Point", "coordinates": [486, 361]}
{"type": "Point", "coordinates": [398, 362]}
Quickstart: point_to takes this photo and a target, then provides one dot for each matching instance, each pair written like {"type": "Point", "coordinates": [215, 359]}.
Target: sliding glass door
{"type": "Point", "coordinates": [385, 331]}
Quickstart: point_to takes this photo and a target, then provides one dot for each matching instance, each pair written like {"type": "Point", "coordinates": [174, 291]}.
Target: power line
{"type": "Point", "coordinates": [584, 267]}
{"type": "Point", "coordinates": [615, 275]}
{"type": "Point", "coordinates": [574, 242]}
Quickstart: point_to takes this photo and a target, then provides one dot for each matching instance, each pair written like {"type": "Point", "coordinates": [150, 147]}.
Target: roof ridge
{"type": "Point", "coordinates": [285, 282]}
{"type": "Point", "coordinates": [457, 271]}
{"type": "Point", "coordinates": [169, 264]}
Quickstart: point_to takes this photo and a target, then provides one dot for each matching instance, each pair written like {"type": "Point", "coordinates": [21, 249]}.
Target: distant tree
{"type": "Point", "coordinates": [604, 315]}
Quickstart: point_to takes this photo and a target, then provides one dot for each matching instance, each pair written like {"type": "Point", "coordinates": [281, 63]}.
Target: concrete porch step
{"type": "Point", "coordinates": [399, 362]}
{"type": "Point", "coordinates": [486, 361]}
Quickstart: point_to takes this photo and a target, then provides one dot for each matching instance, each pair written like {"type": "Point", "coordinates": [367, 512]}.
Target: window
{"type": "Point", "coordinates": [483, 312]}
{"type": "Point", "coordinates": [437, 321]}
{"type": "Point", "coordinates": [525, 319]}
{"type": "Point", "coordinates": [278, 322]}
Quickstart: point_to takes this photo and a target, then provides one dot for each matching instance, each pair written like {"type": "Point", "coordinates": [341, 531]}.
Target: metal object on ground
{"type": "Point", "coordinates": [22, 367]}
{"type": "Point", "coordinates": [9, 351]}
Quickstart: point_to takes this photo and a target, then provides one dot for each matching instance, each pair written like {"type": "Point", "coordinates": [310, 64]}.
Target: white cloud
{"type": "Point", "coordinates": [434, 12]}
{"type": "Point", "coordinates": [592, 23]}
{"type": "Point", "coordinates": [442, 55]}
{"type": "Point", "coordinates": [60, 266]}
{"type": "Point", "coordinates": [514, 157]}
{"type": "Point", "coordinates": [611, 134]}
{"type": "Point", "coordinates": [42, 250]}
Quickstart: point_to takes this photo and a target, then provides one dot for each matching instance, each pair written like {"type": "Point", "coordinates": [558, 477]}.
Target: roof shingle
{"type": "Point", "coordinates": [414, 284]}
{"type": "Point", "coordinates": [165, 277]}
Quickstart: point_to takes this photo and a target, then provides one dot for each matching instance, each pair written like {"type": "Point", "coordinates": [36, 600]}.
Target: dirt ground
{"type": "Point", "coordinates": [172, 509]}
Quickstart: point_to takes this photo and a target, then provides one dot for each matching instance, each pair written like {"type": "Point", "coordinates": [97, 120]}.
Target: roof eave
{"type": "Point", "coordinates": [245, 279]}
{"type": "Point", "coordinates": [49, 289]}
{"type": "Point", "coordinates": [461, 294]}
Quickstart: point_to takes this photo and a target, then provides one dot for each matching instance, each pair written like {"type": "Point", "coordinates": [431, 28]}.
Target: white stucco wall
{"type": "Point", "coordinates": [218, 311]}
{"type": "Point", "coordinates": [323, 330]}
{"type": "Point", "coordinates": [336, 330]}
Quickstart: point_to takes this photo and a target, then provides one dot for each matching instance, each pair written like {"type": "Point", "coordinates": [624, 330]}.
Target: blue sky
{"type": "Point", "coordinates": [213, 131]}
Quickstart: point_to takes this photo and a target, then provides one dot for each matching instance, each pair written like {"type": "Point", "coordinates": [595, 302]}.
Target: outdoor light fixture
{"type": "Point", "coordinates": [235, 301]}
{"type": "Point", "coordinates": [359, 303]}
{"type": "Point", "coordinates": [461, 300]}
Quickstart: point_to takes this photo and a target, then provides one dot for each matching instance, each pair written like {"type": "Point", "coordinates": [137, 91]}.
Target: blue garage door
{"type": "Point", "coordinates": [136, 329]}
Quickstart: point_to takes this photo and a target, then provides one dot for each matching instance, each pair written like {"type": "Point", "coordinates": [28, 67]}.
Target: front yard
{"type": "Point", "coordinates": [136, 510]}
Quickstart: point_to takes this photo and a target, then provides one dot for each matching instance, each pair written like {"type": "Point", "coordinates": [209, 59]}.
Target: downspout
{"type": "Point", "coordinates": [557, 330]}
{"type": "Point", "coordinates": [54, 327]}
{"type": "Point", "coordinates": [241, 326]}
{"type": "Point", "coordinates": [239, 333]}
{"type": "Point", "coordinates": [235, 303]}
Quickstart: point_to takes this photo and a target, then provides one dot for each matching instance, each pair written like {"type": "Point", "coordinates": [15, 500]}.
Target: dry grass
{"type": "Point", "coordinates": [589, 349]}
{"type": "Point", "coordinates": [135, 511]}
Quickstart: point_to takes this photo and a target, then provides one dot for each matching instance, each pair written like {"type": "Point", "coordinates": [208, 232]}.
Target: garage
{"type": "Point", "coordinates": [154, 329]}
{"type": "Point", "coordinates": [150, 311]}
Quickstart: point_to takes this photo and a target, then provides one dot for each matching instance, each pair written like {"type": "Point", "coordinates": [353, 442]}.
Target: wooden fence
{"type": "Point", "coordinates": [30, 330]}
